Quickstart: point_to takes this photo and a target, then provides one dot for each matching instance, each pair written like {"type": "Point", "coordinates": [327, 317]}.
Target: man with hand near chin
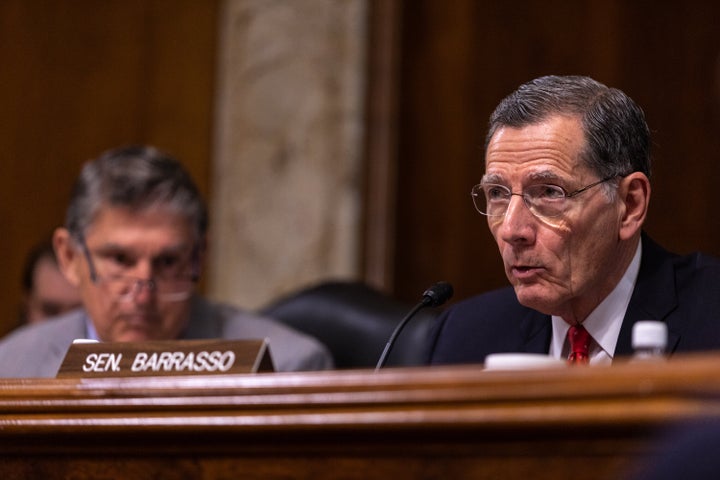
{"type": "Point", "coordinates": [565, 193]}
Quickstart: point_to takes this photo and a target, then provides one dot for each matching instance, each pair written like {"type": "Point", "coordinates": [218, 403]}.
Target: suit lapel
{"type": "Point", "coordinates": [653, 298]}
{"type": "Point", "coordinates": [202, 323]}
{"type": "Point", "coordinates": [537, 329]}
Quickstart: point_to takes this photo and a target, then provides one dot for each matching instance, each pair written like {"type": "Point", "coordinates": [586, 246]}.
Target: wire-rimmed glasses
{"type": "Point", "coordinates": [168, 287]}
{"type": "Point", "coordinates": [545, 201]}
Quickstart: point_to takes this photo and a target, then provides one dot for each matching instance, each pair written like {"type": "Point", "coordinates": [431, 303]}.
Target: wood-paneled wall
{"type": "Point", "coordinates": [82, 76]}
{"type": "Point", "coordinates": [459, 58]}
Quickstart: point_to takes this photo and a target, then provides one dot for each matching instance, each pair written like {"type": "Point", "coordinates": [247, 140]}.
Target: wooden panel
{"type": "Point", "coordinates": [457, 422]}
{"type": "Point", "coordinates": [460, 58]}
{"type": "Point", "coordinates": [380, 179]}
{"type": "Point", "coordinates": [81, 77]}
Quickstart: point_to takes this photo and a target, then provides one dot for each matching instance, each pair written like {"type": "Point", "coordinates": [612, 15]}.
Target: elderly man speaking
{"type": "Point", "coordinates": [565, 193]}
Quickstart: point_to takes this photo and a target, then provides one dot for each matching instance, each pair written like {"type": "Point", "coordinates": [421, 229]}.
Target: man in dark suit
{"type": "Point", "coordinates": [565, 193]}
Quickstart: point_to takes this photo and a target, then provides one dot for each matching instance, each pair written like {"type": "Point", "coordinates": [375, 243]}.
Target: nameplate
{"type": "Point", "coordinates": [162, 358]}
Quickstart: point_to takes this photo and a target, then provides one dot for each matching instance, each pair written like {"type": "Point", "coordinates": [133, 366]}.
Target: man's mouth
{"type": "Point", "coordinates": [522, 272]}
{"type": "Point", "coordinates": [140, 319]}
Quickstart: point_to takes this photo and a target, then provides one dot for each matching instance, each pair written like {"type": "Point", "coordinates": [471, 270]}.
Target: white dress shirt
{"type": "Point", "coordinates": [604, 322]}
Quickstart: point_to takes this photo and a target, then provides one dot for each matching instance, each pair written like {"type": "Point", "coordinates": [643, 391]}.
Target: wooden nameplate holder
{"type": "Point", "coordinates": [85, 359]}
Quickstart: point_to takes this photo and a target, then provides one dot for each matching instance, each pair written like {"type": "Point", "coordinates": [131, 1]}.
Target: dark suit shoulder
{"type": "Point", "coordinates": [686, 266]}
{"type": "Point", "coordinates": [492, 322]}
{"type": "Point", "coordinates": [697, 315]}
{"type": "Point", "coordinates": [698, 262]}
{"type": "Point", "coordinates": [681, 290]}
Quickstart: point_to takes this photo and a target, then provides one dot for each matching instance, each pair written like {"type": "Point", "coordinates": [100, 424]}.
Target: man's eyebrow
{"type": "Point", "coordinates": [537, 176]}
{"type": "Point", "coordinates": [110, 248]}
{"type": "Point", "coordinates": [113, 248]}
{"type": "Point", "coordinates": [545, 176]}
{"type": "Point", "coordinates": [492, 178]}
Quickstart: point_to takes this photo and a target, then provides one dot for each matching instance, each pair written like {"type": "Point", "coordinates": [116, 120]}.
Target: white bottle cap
{"type": "Point", "coordinates": [649, 334]}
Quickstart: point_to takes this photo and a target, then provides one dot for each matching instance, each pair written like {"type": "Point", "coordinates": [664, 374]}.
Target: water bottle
{"type": "Point", "coordinates": [649, 340]}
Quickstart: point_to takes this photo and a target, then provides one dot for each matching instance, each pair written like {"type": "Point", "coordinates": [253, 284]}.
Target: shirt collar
{"type": "Point", "coordinates": [605, 321]}
{"type": "Point", "coordinates": [90, 328]}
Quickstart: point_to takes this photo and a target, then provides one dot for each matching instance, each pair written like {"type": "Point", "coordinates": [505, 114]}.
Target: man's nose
{"type": "Point", "coordinates": [143, 291]}
{"type": "Point", "coordinates": [143, 270]}
{"type": "Point", "coordinates": [518, 224]}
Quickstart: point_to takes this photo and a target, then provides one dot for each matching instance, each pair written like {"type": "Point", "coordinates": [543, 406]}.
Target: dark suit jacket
{"type": "Point", "coordinates": [683, 291]}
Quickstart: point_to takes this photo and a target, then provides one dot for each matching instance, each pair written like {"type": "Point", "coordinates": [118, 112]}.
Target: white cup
{"type": "Point", "coordinates": [521, 361]}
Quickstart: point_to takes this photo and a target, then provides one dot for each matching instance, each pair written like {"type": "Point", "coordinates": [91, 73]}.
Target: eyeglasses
{"type": "Point", "coordinates": [168, 287]}
{"type": "Point", "coordinates": [543, 200]}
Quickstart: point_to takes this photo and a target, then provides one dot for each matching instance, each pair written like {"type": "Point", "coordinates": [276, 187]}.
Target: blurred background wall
{"type": "Point", "coordinates": [288, 145]}
{"type": "Point", "coordinates": [338, 138]}
{"type": "Point", "coordinates": [80, 77]}
{"type": "Point", "coordinates": [459, 58]}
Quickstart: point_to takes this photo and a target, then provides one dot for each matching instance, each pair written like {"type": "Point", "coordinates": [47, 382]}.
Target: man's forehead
{"type": "Point", "coordinates": [550, 149]}
{"type": "Point", "coordinates": [557, 129]}
{"type": "Point", "coordinates": [141, 249]}
{"type": "Point", "coordinates": [157, 229]}
{"type": "Point", "coordinates": [114, 219]}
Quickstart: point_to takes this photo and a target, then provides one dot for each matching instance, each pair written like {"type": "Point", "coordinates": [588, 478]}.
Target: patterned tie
{"type": "Point", "coordinates": [579, 339]}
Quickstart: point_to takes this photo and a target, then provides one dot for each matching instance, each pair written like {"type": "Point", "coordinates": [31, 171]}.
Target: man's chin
{"type": "Point", "coordinates": [536, 298]}
{"type": "Point", "coordinates": [134, 335]}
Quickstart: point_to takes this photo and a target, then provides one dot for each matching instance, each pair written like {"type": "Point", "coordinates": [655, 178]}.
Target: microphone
{"type": "Point", "coordinates": [432, 297]}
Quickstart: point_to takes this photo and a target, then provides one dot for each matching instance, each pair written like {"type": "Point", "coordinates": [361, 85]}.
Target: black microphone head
{"type": "Point", "coordinates": [437, 294]}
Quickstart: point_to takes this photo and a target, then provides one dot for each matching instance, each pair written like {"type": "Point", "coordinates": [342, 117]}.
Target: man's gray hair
{"type": "Point", "coordinates": [617, 136]}
{"type": "Point", "coordinates": [137, 178]}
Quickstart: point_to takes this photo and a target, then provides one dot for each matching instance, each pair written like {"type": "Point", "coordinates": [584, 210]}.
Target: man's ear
{"type": "Point", "coordinates": [634, 191]}
{"type": "Point", "coordinates": [68, 257]}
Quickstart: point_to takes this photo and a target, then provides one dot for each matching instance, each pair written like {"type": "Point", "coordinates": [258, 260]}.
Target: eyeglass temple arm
{"type": "Point", "coordinates": [86, 252]}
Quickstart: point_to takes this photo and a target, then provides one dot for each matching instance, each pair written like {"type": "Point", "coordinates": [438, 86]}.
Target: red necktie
{"type": "Point", "coordinates": [579, 339]}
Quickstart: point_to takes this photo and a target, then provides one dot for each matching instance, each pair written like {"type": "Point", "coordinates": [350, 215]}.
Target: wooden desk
{"type": "Point", "coordinates": [445, 423]}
